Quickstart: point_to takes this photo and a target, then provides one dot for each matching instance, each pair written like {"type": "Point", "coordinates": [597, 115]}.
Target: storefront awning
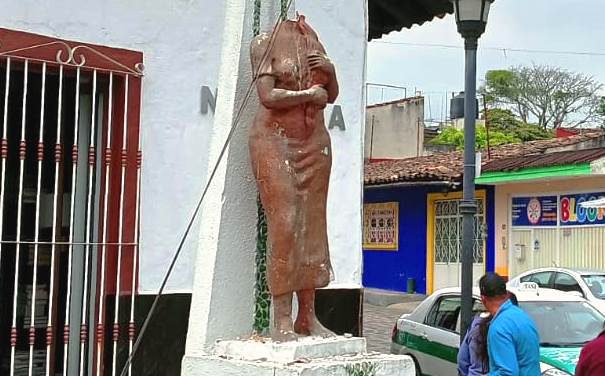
{"type": "Point", "coordinates": [537, 173]}
{"type": "Point", "coordinates": [393, 15]}
{"type": "Point", "coordinates": [546, 166]}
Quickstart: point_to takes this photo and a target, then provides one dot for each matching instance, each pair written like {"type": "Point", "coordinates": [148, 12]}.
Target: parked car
{"type": "Point", "coordinates": [589, 284]}
{"type": "Point", "coordinates": [430, 334]}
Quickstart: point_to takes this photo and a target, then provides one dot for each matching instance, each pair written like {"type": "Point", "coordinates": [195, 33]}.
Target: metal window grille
{"type": "Point", "coordinates": [448, 232]}
{"type": "Point", "coordinates": [69, 205]}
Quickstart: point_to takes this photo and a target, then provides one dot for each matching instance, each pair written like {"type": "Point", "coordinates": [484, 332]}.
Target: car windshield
{"type": "Point", "coordinates": [565, 323]}
{"type": "Point", "coordinates": [596, 284]}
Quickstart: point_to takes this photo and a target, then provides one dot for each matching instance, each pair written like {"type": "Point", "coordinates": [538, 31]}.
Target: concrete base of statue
{"type": "Point", "coordinates": [338, 356]}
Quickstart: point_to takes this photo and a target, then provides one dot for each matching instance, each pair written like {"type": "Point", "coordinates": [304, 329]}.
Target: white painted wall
{"type": "Point", "coordinates": [395, 130]}
{"type": "Point", "coordinates": [181, 42]}
{"type": "Point", "coordinates": [341, 26]}
{"type": "Point", "coordinates": [222, 302]}
{"type": "Point", "coordinates": [459, 123]}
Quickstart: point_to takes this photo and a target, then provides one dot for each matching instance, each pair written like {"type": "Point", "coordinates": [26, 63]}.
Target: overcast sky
{"type": "Point", "coordinates": [546, 25]}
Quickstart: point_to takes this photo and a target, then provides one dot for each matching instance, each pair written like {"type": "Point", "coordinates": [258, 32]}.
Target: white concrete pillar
{"type": "Point", "coordinates": [223, 290]}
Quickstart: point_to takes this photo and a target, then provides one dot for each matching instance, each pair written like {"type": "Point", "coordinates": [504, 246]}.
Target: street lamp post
{"type": "Point", "coordinates": [471, 18]}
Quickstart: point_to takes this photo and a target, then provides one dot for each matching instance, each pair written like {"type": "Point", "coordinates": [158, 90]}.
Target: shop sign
{"type": "Point", "coordinates": [381, 226]}
{"type": "Point", "coordinates": [574, 214]}
{"type": "Point", "coordinates": [534, 211]}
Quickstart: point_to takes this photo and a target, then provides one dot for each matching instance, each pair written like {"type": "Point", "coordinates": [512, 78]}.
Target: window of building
{"type": "Point", "coordinates": [70, 174]}
{"type": "Point", "coordinates": [448, 232]}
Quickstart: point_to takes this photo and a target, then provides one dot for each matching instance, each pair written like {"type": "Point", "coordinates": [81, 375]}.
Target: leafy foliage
{"type": "Point", "coordinates": [552, 96]}
{"type": "Point", "coordinates": [455, 137]}
{"type": "Point", "coordinates": [504, 121]}
{"type": "Point", "coordinates": [262, 297]}
{"type": "Point", "coordinates": [449, 136]}
{"type": "Point", "coordinates": [504, 128]}
{"type": "Point", "coordinates": [499, 85]}
{"type": "Point", "coordinates": [361, 369]}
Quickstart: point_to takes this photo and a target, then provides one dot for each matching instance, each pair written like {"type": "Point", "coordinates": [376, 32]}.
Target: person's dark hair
{"type": "Point", "coordinates": [492, 285]}
{"type": "Point", "coordinates": [482, 353]}
{"type": "Point", "coordinates": [513, 298]}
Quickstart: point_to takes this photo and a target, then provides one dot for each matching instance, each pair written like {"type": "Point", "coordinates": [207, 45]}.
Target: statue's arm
{"type": "Point", "coordinates": [322, 62]}
{"type": "Point", "coordinates": [274, 98]}
{"type": "Point", "coordinates": [262, 65]}
{"type": "Point", "coordinates": [332, 89]}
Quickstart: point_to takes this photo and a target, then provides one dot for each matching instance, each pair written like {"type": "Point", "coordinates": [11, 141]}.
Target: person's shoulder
{"type": "Point", "coordinates": [477, 320]}
{"type": "Point", "coordinates": [511, 317]}
{"type": "Point", "coordinates": [597, 344]}
{"type": "Point", "coordinates": [521, 317]}
{"type": "Point", "coordinates": [499, 322]}
{"type": "Point", "coordinates": [518, 313]}
{"type": "Point", "coordinates": [511, 311]}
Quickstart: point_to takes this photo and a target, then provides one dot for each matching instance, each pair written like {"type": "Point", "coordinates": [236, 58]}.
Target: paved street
{"type": "Point", "coordinates": [378, 322]}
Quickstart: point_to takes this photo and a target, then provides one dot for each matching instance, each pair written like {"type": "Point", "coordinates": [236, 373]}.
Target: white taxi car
{"type": "Point", "coordinates": [431, 333]}
{"type": "Point", "coordinates": [590, 284]}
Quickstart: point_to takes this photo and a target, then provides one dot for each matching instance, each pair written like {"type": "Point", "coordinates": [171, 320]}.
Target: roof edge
{"type": "Point", "coordinates": [441, 183]}
{"type": "Point", "coordinates": [534, 173]}
{"type": "Point", "coordinates": [598, 166]}
{"type": "Point", "coordinates": [397, 101]}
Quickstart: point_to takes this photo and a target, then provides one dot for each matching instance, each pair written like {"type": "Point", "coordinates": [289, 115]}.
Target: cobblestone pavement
{"type": "Point", "coordinates": [378, 324]}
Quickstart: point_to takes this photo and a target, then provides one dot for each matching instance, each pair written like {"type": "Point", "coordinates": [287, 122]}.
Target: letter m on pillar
{"type": "Point", "coordinates": [208, 99]}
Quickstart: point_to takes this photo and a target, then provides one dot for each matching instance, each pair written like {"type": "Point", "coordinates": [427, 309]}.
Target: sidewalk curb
{"type": "Point", "coordinates": [385, 298]}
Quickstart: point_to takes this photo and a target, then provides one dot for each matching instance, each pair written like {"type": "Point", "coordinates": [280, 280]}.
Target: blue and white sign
{"type": "Point", "coordinates": [534, 211]}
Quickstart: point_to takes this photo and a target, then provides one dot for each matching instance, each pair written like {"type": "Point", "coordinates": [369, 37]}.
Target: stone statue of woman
{"type": "Point", "coordinates": [291, 157]}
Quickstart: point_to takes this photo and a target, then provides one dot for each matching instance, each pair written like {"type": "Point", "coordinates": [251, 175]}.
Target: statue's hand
{"type": "Point", "coordinates": [321, 62]}
{"type": "Point", "coordinates": [319, 96]}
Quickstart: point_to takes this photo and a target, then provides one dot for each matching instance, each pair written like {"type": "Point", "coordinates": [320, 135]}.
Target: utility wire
{"type": "Point", "coordinates": [199, 204]}
{"type": "Point", "coordinates": [500, 49]}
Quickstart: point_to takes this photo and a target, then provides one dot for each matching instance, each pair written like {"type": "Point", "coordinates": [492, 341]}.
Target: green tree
{"type": "Point", "coordinates": [504, 128]}
{"type": "Point", "coordinates": [500, 89]}
{"type": "Point", "coordinates": [504, 121]}
{"type": "Point", "coordinates": [455, 137]}
{"type": "Point", "coordinates": [552, 96]}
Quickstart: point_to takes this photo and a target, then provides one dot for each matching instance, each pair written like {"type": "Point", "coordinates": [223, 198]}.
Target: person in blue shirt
{"type": "Point", "coordinates": [473, 359]}
{"type": "Point", "coordinates": [512, 341]}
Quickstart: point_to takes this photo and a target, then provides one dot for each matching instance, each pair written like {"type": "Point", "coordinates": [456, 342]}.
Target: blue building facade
{"type": "Point", "coordinates": [414, 255]}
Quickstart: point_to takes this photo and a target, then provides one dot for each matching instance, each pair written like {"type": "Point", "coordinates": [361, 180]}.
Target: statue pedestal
{"type": "Point", "coordinates": [289, 352]}
{"type": "Point", "coordinates": [340, 356]}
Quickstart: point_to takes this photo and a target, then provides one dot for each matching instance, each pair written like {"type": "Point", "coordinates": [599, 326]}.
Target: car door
{"type": "Point", "coordinates": [438, 341]}
{"type": "Point", "coordinates": [565, 282]}
{"type": "Point", "coordinates": [543, 279]}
